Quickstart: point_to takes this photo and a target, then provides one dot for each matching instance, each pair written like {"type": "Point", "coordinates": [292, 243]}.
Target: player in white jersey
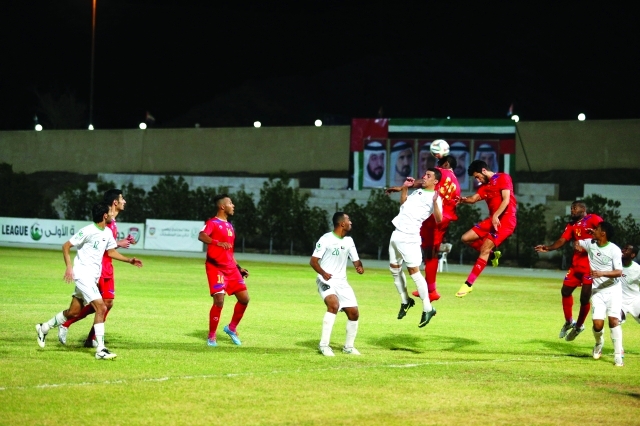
{"type": "Point", "coordinates": [630, 281]}
{"type": "Point", "coordinates": [329, 260]}
{"type": "Point", "coordinates": [404, 246]}
{"type": "Point", "coordinates": [605, 262]}
{"type": "Point", "coordinates": [92, 241]}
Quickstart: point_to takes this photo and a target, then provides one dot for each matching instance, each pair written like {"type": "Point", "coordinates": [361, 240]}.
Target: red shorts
{"type": "Point", "coordinates": [485, 229]}
{"type": "Point", "coordinates": [578, 274]}
{"type": "Point", "coordinates": [431, 232]}
{"type": "Point", "coordinates": [107, 288]}
{"type": "Point", "coordinates": [229, 280]}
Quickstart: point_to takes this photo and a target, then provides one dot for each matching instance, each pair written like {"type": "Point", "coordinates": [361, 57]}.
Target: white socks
{"type": "Point", "coordinates": [598, 335]}
{"type": "Point", "coordinates": [400, 280]}
{"type": "Point", "coordinates": [421, 283]}
{"type": "Point", "coordinates": [327, 327]}
{"type": "Point", "coordinates": [99, 329]}
{"type": "Point", "coordinates": [54, 322]}
{"type": "Point", "coordinates": [352, 330]}
{"type": "Point", "coordinates": [616, 338]}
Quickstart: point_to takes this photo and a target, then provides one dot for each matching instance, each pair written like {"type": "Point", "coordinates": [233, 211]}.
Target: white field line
{"type": "Point", "coordinates": [266, 373]}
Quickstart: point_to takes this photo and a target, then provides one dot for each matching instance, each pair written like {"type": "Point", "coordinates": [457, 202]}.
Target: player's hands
{"type": "Point", "coordinates": [435, 196]}
{"type": "Point", "coordinates": [224, 245]}
{"type": "Point", "coordinates": [577, 246]}
{"type": "Point", "coordinates": [125, 243]}
{"type": "Point", "coordinates": [596, 274]}
{"type": "Point", "coordinates": [360, 269]}
{"type": "Point", "coordinates": [541, 248]}
{"type": "Point", "coordinates": [136, 262]}
{"type": "Point", "coordinates": [68, 275]}
{"type": "Point", "coordinates": [495, 221]}
{"type": "Point", "coordinates": [326, 276]}
{"type": "Point", "coordinates": [408, 182]}
{"type": "Point", "coordinates": [589, 231]}
{"type": "Point", "coordinates": [243, 272]}
{"type": "Point", "coordinates": [392, 189]}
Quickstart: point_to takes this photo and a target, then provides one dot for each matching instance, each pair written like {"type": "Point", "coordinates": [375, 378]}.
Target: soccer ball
{"type": "Point", "coordinates": [439, 148]}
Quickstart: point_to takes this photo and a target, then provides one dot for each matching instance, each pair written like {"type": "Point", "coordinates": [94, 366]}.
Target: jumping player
{"type": "Point", "coordinates": [578, 274]}
{"type": "Point", "coordinates": [223, 272]}
{"type": "Point", "coordinates": [497, 190]}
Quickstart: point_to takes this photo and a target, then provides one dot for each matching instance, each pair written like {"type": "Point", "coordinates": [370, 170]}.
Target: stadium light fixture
{"type": "Point", "coordinates": [143, 126]}
{"type": "Point", "coordinates": [318, 123]}
{"type": "Point", "coordinates": [515, 118]}
{"type": "Point", "coordinates": [90, 127]}
{"type": "Point", "coordinates": [38, 127]}
{"type": "Point", "coordinates": [581, 117]}
{"type": "Point", "coordinates": [257, 124]}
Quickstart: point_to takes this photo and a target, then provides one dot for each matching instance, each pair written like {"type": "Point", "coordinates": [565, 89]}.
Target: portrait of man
{"type": "Point", "coordinates": [401, 162]}
{"type": "Point", "coordinates": [487, 153]}
{"type": "Point", "coordinates": [460, 150]}
{"type": "Point", "coordinates": [425, 159]}
{"type": "Point", "coordinates": [375, 166]}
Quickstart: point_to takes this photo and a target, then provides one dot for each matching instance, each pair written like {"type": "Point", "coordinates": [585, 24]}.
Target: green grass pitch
{"type": "Point", "coordinates": [493, 357]}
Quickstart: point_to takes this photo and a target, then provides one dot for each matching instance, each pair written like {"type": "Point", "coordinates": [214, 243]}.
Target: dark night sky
{"type": "Point", "coordinates": [338, 59]}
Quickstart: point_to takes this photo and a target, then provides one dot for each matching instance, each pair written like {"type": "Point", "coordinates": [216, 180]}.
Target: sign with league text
{"type": "Point", "coordinates": [174, 235]}
{"type": "Point", "coordinates": [58, 231]}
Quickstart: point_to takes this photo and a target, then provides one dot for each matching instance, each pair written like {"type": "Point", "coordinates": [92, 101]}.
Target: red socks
{"type": "Point", "coordinates": [476, 270]}
{"type": "Point", "coordinates": [214, 319]}
{"type": "Point", "coordinates": [87, 310]}
{"type": "Point", "coordinates": [430, 271]}
{"type": "Point", "coordinates": [567, 307]}
{"type": "Point", "coordinates": [238, 313]}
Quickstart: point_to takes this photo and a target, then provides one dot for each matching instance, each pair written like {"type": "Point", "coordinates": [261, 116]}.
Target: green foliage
{"type": "Point", "coordinates": [245, 218]}
{"type": "Point", "coordinates": [77, 202]}
{"type": "Point", "coordinates": [381, 210]}
{"type": "Point", "coordinates": [136, 209]}
{"type": "Point", "coordinates": [21, 197]}
{"type": "Point", "coordinates": [626, 230]}
{"type": "Point", "coordinates": [360, 228]}
{"type": "Point", "coordinates": [529, 232]}
{"type": "Point", "coordinates": [468, 215]}
{"type": "Point", "coordinates": [170, 198]}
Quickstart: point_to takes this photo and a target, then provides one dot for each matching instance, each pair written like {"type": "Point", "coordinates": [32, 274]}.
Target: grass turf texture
{"type": "Point", "coordinates": [493, 357]}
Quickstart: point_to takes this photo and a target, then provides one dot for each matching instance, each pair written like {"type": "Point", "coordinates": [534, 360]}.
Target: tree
{"type": "Point", "coordinates": [22, 197]}
{"type": "Point", "coordinates": [468, 215]}
{"type": "Point", "coordinates": [170, 198]}
{"type": "Point", "coordinates": [244, 223]}
{"type": "Point", "coordinates": [529, 232]}
{"type": "Point", "coordinates": [136, 210]}
{"type": "Point", "coordinates": [381, 210]}
{"type": "Point", "coordinates": [625, 230]}
{"type": "Point", "coordinates": [275, 210]}
{"type": "Point", "coordinates": [360, 230]}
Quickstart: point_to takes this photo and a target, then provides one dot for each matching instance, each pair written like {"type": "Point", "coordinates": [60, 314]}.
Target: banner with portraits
{"type": "Point", "coordinates": [374, 174]}
{"type": "Point", "coordinates": [400, 161]}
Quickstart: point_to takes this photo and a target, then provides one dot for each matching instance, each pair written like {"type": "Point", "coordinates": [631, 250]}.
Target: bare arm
{"type": "Point", "coordinates": [495, 220]}
{"type": "Point", "coordinates": [113, 253]}
{"type": "Point", "coordinates": [607, 274]}
{"type": "Point", "coordinates": [559, 243]}
{"type": "Point", "coordinates": [403, 194]}
{"type": "Point", "coordinates": [315, 264]}
{"type": "Point", "coordinates": [437, 213]}
{"type": "Point", "coordinates": [470, 200]}
{"type": "Point", "coordinates": [208, 240]}
{"type": "Point", "coordinates": [359, 267]}
{"type": "Point", "coordinates": [66, 250]}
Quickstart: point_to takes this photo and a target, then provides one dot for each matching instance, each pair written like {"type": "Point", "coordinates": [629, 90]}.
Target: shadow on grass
{"type": "Point", "coordinates": [415, 344]}
{"type": "Point", "coordinates": [563, 348]}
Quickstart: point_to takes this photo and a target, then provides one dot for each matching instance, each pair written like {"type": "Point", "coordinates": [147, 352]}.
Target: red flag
{"type": "Point", "coordinates": [510, 112]}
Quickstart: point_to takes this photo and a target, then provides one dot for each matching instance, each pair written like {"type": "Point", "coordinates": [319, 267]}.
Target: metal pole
{"type": "Point", "coordinates": [521, 144]}
{"type": "Point", "coordinates": [93, 44]}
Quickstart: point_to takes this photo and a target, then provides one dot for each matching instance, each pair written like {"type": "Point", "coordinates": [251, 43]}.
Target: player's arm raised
{"type": "Point", "coordinates": [113, 253]}
{"type": "Point", "coordinates": [542, 248]}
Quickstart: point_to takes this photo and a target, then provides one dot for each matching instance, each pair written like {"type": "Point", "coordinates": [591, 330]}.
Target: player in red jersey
{"type": "Point", "coordinates": [579, 272]}
{"type": "Point", "coordinates": [431, 232]}
{"type": "Point", "coordinates": [116, 202]}
{"type": "Point", "coordinates": [223, 272]}
{"type": "Point", "coordinates": [497, 190]}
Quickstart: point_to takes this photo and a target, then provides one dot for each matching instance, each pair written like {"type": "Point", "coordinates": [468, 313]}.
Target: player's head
{"type": "Point", "coordinates": [114, 197]}
{"type": "Point", "coordinates": [448, 162]}
{"type": "Point", "coordinates": [98, 212]}
{"type": "Point", "coordinates": [578, 210]}
{"type": "Point", "coordinates": [341, 220]}
{"type": "Point", "coordinates": [629, 252]}
{"type": "Point", "coordinates": [479, 170]}
{"type": "Point", "coordinates": [431, 178]}
{"type": "Point", "coordinates": [604, 230]}
{"type": "Point", "coordinates": [223, 204]}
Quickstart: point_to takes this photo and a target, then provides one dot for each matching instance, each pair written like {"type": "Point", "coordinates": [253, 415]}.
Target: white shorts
{"type": "Point", "coordinates": [632, 308]}
{"type": "Point", "coordinates": [341, 288]}
{"type": "Point", "coordinates": [86, 288]}
{"type": "Point", "coordinates": [405, 247]}
{"type": "Point", "coordinates": [606, 302]}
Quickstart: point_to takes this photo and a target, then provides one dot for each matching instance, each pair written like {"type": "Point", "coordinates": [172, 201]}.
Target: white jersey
{"type": "Point", "coordinates": [630, 280]}
{"type": "Point", "coordinates": [416, 209]}
{"type": "Point", "coordinates": [605, 258]}
{"type": "Point", "coordinates": [91, 243]}
{"type": "Point", "coordinates": [333, 252]}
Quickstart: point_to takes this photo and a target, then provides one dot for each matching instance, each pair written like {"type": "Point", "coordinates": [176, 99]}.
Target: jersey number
{"type": "Point", "coordinates": [336, 252]}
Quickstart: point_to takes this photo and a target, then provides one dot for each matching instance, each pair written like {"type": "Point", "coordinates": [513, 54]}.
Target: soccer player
{"type": "Point", "coordinates": [223, 272]}
{"type": "Point", "coordinates": [578, 274]}
{"type": "Point", "coordinates": [404, 245]}
{"type": "Point", "coordinates": [106, 284]}
{"type": "Point", "coordinates": [497, 190]}
{"type": "Point", "coordinates": [431, 232]}
{"type": "Point", "coordinates": [329, 260]}
{"type": "Point", "coordinates": [92, 241]}
{"type": "Point", "coordinates": [605, 261]}
{"type": "Point", "coordinates": [630, 283]}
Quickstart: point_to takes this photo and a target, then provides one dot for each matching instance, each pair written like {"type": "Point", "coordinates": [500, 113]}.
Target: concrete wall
{"type": "Point", "coordinates": [578, 145]}
{"type": "Point", "coordinates": [258, 151]}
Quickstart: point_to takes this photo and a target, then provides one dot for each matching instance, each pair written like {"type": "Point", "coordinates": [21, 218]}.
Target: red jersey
{"type": "Point", "coordinates": [575, 231]}
{"type": "Point", "coordinates": [492, 193]}
{"type": "Point", "coordinates": [449, 189]}
{"type": "Point", "coordinates": [107, 263]}
{"type": "Point", "coordinates": [220, 231]}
